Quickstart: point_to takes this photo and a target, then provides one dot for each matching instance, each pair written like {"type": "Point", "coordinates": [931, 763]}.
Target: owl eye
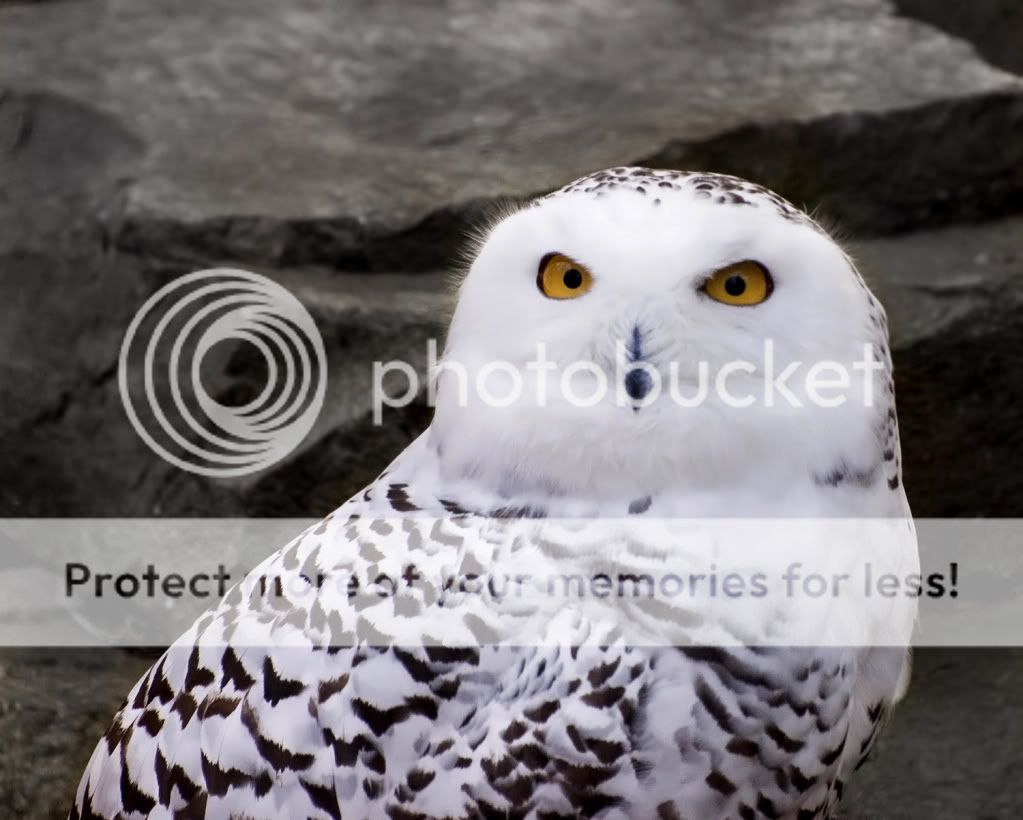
{"type": "Point", "coordinates": [744, 284]}
{"type": "Point", "coordinates": [562, 278]}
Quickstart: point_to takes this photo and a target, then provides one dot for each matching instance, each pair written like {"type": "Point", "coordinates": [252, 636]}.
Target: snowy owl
{"type": "Point", "coordinates": [393, 674]}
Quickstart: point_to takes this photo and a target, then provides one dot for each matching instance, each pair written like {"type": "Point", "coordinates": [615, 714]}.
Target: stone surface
{"type": "Point", "coordinates": [54, 705]}
{"type": "Point", "coordinates": [993, 26]}
{"type": "Point", "coordinates": [952, 748]}
{"type": "Point", "coordinates": [344, 152]}
{"type": "Point", "coordinates": [315, 133]}
{"type": "Point", "coordinates": [286, 136]}
{"type": "Point", "coordinates": [955, 303]}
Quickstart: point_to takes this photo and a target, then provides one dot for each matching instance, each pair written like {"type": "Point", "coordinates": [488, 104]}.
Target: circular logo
{"type": "Point", "coordinates": [181, 326]}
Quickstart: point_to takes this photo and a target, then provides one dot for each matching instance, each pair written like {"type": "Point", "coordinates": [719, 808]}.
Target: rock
{"type": "Point", "coordinates": [306, 142]}
{"type": "Point", "coordinates": [65, 299]}
{"type": "Point", "coordinates": [952, 747]}
{"type": "Point", "coordinates": [314, 135]}
{"type": "Point", "coordinates": [993, 26]}
{"type": "Point", "coordinates": [954, 300]}
{"type": "Point", "coordinates": [363, 319]}
{"type": "Point", "coordinates": [56, 703]}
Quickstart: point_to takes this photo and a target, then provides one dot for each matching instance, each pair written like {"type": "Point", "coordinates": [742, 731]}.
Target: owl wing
{"type": "Point", "coordinates": [345, 674]}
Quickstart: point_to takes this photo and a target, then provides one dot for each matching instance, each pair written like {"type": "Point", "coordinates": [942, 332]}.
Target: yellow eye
{"type": "Point", "coordinates": [744, 283]}
{"type": "Point", "coordinates": [562, 278]}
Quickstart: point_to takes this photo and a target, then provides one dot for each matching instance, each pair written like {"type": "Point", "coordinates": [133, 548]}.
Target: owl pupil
{"type": "Point", "coordinates": [735, 286]}
{"type": "Point", "coordinates": [572, 279]}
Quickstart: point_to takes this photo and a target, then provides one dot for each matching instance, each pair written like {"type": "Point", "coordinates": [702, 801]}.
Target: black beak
{"type": "Point", "coordinates": [637, 380]}
{"type": "Point", "coordinates": [638, 384]}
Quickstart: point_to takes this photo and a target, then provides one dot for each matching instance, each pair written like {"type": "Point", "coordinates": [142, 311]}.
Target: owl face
{"type": "Point", "coordinates": [671, 285]}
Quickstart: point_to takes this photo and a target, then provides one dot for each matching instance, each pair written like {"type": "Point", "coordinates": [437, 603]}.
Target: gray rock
{"type": "Point", "coordinates": [955, 302]}
{"type": "Point", "coordinates": [364, 138]}
{"type": "Point", "coordinates": [161, 137]}
{"type": "Point", "coordinates": [993, 26]}
{"type": "Point", "coordinates": [363, 319]}
{"type": "Point", "coordinates": [952, 747]}
{"type": "Point", "coordinates": [55, 704]}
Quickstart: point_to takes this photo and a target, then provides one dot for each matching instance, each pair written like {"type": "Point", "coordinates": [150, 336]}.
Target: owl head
{"type": "Point", "coordinates": [726, 323]}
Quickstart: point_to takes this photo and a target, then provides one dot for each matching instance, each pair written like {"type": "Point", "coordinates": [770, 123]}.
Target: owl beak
{"type": "Point", "coordinates": [637, 381]}
{"type": "Point", "coordinates": [637, 385]}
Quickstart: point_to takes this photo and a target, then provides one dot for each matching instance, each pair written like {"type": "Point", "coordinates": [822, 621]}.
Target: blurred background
{"type": "Point", "coordinates": [344, 147]}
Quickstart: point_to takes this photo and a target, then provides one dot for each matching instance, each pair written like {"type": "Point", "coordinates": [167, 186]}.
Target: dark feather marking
{"type": "Point", "coordinates": [742, 746]}
{"type": "Point", "coordinates": [195, 810]}
{"type": "Point", "coordinates": [518, 791]}
{"type": "Point", "coordinates": [600, 675]}
{"type": "Point", "coordinates": [141, 693]}
{"type": "Point", "coordinates": [167, 778]}
{"type": "Point", "coordinates": [607, 751]}
{"type": "Point", "coordinates": [604, 698]}
{"type": "Point", "coordinates": [184, 705]}
{"type": "Point", "coordinates": [715, 708]}
{"type": "Point", "coordinates": [160, 687]}
{"type": "Point", "coordinates": [577, 739]}
{"type": "Point", "coordinates": [333, 686]}
{"type": "Point", "coordinates": [531, 755]}
{"type": "Point", "coordinates": [640, 505]}
{"type": "Point", "coordinates": [346, 752]}
{"type": "Point", "coordinates": [447, 689]}
{"type": "Point", "coordinates": [380, 721]}
{"type": "Point", "coordinates": [133, 799]}
{"type": "Point", "coordinates": [584, 777]}
{"type": "Point", "coordinates": [720, 783]}
{"type": "Point", "coordinates": [496, 769]}
{"type": "Point", "coordinates": [114, 734]}
{"type": "Point", "coordinates": [271, 751]}
{"type": "Point", "coordinates": [420, 671]}
{"type": "Point", "coordinates": [234, 672]}
{"type": "Point", "coordinates": [801, 781]}
{"type": "Point", "coordinates": [766, 807]}
{"type": "Point", "coordinates": [376, 762]}
{"type": "Point", "coordinates": [276, 688]}
{"type": "Point", "coordinates": [668, 811]}
{"type": "Point", "coordinates": [830, 757]}
{"type": "Point", "coordinates": [219, 781]}
{"type": "Point", "coordinates": [782, 740]}
{"type": "Point", "coordinates": [718, 659]}
{"type": "Point", "coordinates": [419, 779]}
{"type": "Point", "coordinates": [459, 655]}
{"type": "Point", "coordinates": [514, 731]}
{"type": "Point", "coordinates": [219, 706]}
{"type": "Point", "coordinates": [323, 797]}
{"type": "Point", "coordinates": [542, 713]}
{"type": "Point", "coordinates": [399, 498]}
{"type": "Point", "coordinates": [151, 722]}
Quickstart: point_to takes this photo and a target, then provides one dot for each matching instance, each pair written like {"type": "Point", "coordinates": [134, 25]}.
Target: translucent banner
{"type": "Point", "coordinates": [464, 580]}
